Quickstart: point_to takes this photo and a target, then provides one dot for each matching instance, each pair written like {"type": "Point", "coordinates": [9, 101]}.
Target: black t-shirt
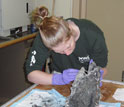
{"type": "Point", "coordinates": [90, 45]}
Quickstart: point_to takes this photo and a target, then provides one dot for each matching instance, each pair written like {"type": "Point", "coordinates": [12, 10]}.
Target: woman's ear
{"type": "Point", "coordinates": [71, 24]}
{"type": "Point", "coordinates": [73, 27]}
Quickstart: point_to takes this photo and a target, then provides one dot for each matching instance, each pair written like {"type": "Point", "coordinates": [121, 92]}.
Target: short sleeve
{"type": "Point", "coordinates": [37, 55]}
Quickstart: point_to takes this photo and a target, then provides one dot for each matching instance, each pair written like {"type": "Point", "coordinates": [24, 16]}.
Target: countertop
{"type": "Point", "coordinates": [107, 90]}
{"type": "Point", "coordinates": [4, 42]}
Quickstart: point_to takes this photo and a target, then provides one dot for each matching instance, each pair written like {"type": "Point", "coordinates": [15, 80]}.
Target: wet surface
{"type": "Point", "coordinates": [14, 36]}
{"type": "Point", "coordinates": [4, 39]}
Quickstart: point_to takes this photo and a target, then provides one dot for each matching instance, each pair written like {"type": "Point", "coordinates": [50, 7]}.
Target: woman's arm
{"type": "Point", "coordinates": [105, 72]}
{"type": "Point", "coordinates": [40, 77]}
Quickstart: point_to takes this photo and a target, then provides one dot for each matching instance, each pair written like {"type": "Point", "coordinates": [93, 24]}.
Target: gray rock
{"type": "Point", "coordinates": [85, 91]}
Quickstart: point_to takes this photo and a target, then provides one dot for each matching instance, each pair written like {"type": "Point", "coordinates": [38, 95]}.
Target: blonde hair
{"type": "Point", "coordinates": [53, 30]}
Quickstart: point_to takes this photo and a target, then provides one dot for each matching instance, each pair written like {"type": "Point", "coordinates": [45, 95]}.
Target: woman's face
{"type": "Point", "coordinates": [66, 47]}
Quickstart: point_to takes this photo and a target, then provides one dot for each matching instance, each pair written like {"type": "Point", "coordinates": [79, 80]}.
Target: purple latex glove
{"type": "Point", "coordinates": [101, 75]}
{"type": "Point", "coordinates": [66, 77]}
{"type": "Point", "coordinates": [91, 61]}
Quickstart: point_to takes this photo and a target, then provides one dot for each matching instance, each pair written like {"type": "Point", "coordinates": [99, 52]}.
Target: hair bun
{"type": "Point", "coordinates": [43, 12]}
{"type": "Point", "coordinates": [38, 15]}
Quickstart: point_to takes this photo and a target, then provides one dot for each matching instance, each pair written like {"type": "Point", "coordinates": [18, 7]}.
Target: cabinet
{"type": "Point", "coordinates": [12, 76]}
{"type": "Point", "coordinates": [14, 13]}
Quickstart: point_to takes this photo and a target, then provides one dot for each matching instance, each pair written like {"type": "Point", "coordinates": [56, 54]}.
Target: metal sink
{"type": "Point", "coordinates": [4, 39]}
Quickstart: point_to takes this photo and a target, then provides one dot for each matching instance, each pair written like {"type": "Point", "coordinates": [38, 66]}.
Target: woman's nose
{"type": "Point", "coordinates": [67, 52]}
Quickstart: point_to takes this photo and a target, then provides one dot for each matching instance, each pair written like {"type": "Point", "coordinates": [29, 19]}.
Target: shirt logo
{"type": "Point", "coordinates": [33, 60]}
{"type": "Point", "coordinates": [84, 59]}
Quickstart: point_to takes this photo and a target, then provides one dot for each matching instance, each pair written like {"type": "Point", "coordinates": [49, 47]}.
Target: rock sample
{"type": "Point", "coordinates": [85, 90]}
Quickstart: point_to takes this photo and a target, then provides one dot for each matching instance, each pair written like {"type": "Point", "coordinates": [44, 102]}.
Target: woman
{"type": "Point", "coordinates": [72, 43]}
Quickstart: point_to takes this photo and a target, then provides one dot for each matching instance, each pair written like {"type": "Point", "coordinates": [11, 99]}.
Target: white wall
{"type": "Point", "coordinates": [109, 15]}
{"type": "Point", "coordinates": [62, 7]}
{"type": "Point", "coordinates": [0, 16]}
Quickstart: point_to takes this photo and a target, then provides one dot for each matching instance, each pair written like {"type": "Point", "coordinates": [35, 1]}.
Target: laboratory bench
{"type": "Point", "coordinates": [14, 86]}
{"type": "Point", "coordinates": [13, 52]}
{"type": "Point", "coordinates": [107, 90]}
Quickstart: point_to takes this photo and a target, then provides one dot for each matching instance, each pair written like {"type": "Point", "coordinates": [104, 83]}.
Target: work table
{"type": "Point", "coordinates": [107, 90]}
